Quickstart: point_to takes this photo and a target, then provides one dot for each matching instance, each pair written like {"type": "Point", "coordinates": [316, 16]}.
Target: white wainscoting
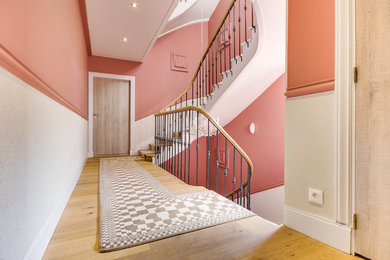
{"type": "Point", "coordinates": [43, 147]}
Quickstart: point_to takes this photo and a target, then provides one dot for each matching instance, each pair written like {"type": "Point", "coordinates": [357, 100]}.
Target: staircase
{"type": "Point", "coordinates": [189, 142]}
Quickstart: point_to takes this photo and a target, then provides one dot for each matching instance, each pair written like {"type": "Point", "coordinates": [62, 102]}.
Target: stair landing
{"type": "Point", "coordinates": [77, 234]}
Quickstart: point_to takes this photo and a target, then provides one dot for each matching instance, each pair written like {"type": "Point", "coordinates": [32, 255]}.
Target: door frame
{"type": "Point", "coordinates": [131, 79]}
{"type": "Point", "coordinates": [345, 103]}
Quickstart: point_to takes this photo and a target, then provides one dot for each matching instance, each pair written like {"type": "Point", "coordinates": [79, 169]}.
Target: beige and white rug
{"type": "Point", "coordinates": [136, 209]}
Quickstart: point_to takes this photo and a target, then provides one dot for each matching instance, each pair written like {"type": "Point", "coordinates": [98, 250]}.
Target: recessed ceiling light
{"type": "Point", "coordinates": [134, 4]}
{"type": "Point", "coordinates": [124, 39]}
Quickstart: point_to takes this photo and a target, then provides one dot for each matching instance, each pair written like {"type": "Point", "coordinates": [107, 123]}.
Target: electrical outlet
{"type": "Point", "coordinates": [316, 196]}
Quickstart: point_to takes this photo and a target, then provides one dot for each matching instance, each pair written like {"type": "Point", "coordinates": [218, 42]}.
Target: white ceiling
{"type": "Point", "coordinates": [110, 21]}
{"type": "Point", "coordinates": [200, 11]}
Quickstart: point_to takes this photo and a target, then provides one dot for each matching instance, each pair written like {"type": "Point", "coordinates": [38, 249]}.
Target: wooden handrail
{"type": "Point", "coordinates": [222, 131]}
{"type": "Point", "coordinates": [203, 57]}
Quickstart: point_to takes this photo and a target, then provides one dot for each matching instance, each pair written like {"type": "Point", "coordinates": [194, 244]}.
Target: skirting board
{"type": "Point", "coordinates": [324, 230]}
{"type": "Point", "coordinates": [38, 247]}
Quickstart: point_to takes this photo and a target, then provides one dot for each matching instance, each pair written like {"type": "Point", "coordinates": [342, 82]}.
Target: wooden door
{"type": "Point", "coordinates": [372, 237]}
{"type": "Point", "coordinates": [111, 128]}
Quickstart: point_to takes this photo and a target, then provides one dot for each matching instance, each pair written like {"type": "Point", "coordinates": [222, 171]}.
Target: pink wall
{"type": "Point", "coordinates": [311, 46]}
{"type": "Point", "coordinates": [266, 146]}
{"type": "Point", "coordinates": [156, 83]}
{"type": "Point", "coordinates": [42, 42]}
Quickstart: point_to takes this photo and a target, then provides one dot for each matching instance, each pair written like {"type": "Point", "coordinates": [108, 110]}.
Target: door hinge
{"type": "Point", "coordinates": [354, 225]}
{"type": "Point", "coordinates": [355, 74]}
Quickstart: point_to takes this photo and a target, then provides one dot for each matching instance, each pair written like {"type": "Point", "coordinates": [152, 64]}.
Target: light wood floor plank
{"type": "Point", "coordinates": [76, 235]}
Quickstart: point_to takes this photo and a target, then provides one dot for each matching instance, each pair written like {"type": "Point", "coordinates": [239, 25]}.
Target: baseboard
{"type": "Point", "coordinates": [38, 247]}
{"type": "Point", "coordinates": [324, 230]}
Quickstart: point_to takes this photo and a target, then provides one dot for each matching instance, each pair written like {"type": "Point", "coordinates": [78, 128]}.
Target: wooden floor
{"type": "Point", "coordinates": [76, 235]}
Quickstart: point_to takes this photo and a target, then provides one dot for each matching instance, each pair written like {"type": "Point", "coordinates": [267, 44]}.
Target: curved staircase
{"type": "Point", "coordinates": [189, 142]}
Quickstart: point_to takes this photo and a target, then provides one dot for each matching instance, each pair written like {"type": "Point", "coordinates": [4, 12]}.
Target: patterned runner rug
{"type": "Point", "coordinates": [136, 209]}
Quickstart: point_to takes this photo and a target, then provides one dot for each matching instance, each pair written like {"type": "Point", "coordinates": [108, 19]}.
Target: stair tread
{"type": "Point", "coordinates": [146, 152]}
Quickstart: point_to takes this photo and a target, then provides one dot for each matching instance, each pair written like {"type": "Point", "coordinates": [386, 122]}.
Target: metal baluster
{"type": "Point", "coordinates": [186, 98]}
{"type": "Point", "coordinates": [253, 18]}
{"type": "Point", "coordinates": [200, 83]}
{"type": "Point", "coordinates": [239, 28]}
{"type": "Point", "coordinates": [216, 63]}
{"type": "Point", "coordinates": [224, 46]}
{"type": "Point", "coordinates": [210, 81]}
{"type": "Point", "coordinates": [243, 196]}
{"type": "Point", "coordinates": [192, 96]}
{"type": "Point", "coordinates": [177, 146]}
{"type": "Point", "coordinates": [169, 143]}
{"type": "Point", "coordinates": [181, 145]}
{"type": "Point", "coordinates": [172, 157]}
{"type": "Point", "coordinates": [216, 164]}
{"type": "Point", "coordinates": [185, 144]}
{"type": "Point", "coordinates": [166, 157]}
{"type": "Point", "coordinates": [155, 140]}
{"type": "Point", "coordinates": [246, 26]}
{"type": "Point", "coordinates": [230, 45]}
{"type": "Point", "coordinates": [212, 65]}
{"type": "Point", "coordinates": [189, 145]}
{"type": "Point", "coordinates": [197, 146]}
{"type": "Point", "coordinates": [205, 80]}
{"type": "Point", "coordinates": [164, 138]}
{"type": "Point", "coordinates": [208, 153]}
{"type": "Point", "coordinates": [226, 171]}
{"type": "Point", "coordinates": [248, 206]}
{"type": "Point", "coordinates": [234, 31]}
{"type": "Point", "coordinates": [159, 136]}
{"type": "Point", "coordinates": [166, 149]}
{"type": "Point", "coordinates": [241, 182]}
{"type": "Point", "coordinates": [156, 135]}
{"type": "Point", "coordinates": [197, 90]}
{"type": "Point", "coordinates": [174, 145]}
{"type": "Point", "coordinates": [234, 171]}
{"type": "Point", "coordinates": [220, 53]}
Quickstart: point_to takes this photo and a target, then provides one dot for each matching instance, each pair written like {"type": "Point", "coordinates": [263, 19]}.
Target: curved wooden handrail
{"type": "Point", "coordinates": [203, 57]}
{"type": "Point", "coordinates": [222, 131]}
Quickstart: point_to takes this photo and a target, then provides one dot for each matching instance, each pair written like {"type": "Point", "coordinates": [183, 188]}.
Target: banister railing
{"type": "Point", "coordinates": [223, 49]}
{"type": "Point", "coordinates": [177, 130]}
{"type": "Point", "coordinates": [183, 122]}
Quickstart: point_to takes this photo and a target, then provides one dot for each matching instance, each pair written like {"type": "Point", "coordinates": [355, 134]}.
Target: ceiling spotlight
{"type": "Point", "coordinates": [134, 4]}
{"type": "Point", "coordinates": [124, 39]}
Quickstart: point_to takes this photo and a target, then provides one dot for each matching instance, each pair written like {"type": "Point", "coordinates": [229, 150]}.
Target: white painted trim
{"type": "Point", "coordinates": [205, 20]}
{"type": "Point", "coordinates": [39, 245]}
{"type": "Point", "coordinates": [345, 95]}
{"type": "Point", "coordinates": [91, 75]}
{"type": "Point", "coordinates": [324, 230]}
